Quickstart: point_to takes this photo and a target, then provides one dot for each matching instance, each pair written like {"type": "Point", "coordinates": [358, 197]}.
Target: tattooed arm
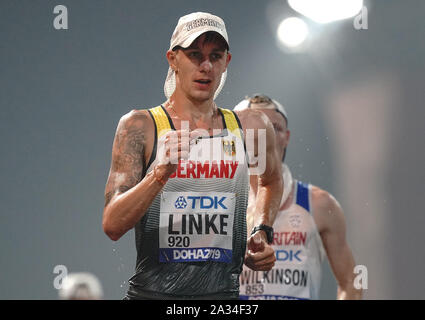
{"type": "Point", "coordinates": [128, 192]}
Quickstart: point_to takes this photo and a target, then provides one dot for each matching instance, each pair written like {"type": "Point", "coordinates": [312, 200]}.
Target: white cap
{"type": "Point", "coordinates": [81, 286]}
{"type": "Point", "coordinates": [190, 27]}
{"type": "Point", "coordinates": [261, 102]}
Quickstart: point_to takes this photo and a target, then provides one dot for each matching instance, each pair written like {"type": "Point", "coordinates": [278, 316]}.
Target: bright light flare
{"type": "Point", "coordinates": [292, 32]}
{"type": "Point", "coordinates": [325, 11]}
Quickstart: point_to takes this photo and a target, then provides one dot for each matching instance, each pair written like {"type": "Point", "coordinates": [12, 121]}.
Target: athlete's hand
{"type": "Point", "coordinates": [260, 255]}
{"type": "Point", "coordinates": [174, 146]}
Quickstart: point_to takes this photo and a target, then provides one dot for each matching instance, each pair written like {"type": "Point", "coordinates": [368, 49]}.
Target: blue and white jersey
{"type": "Point", "coordinates": [299, 254]}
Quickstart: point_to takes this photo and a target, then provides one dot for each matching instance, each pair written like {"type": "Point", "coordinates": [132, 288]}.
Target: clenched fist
{"type": "Point", "coordinates": [260, 255]}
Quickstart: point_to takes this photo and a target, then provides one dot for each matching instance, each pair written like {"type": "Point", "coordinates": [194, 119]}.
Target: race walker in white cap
{"type": "Point", "coordinates": [309, 226]}
{"type": "Point", "coordinates": [189, 28]}
{"type": "Point", "coordinates": [179, 177]}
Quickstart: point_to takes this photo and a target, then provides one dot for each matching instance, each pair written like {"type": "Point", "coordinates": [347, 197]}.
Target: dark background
{"type": "Point", "coordinates": [355, 100]}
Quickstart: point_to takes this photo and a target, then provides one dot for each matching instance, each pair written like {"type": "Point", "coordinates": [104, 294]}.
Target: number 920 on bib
{"type": "Point", "coordinates": [196, 226]}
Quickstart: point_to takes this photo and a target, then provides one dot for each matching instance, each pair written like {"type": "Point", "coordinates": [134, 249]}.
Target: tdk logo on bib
{"type": "Point", "coordinates": [288, 255]}
{"type": "Point", "coordinates": [201, 202]}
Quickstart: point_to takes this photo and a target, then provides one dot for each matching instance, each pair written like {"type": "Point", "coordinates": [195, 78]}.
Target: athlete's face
{"type": "Point", "coordinates": [199, 67]}
{"type": "Point", "coordinates": [281, 131]}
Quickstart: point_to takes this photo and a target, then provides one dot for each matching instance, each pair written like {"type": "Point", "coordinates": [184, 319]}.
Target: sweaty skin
{"type": "Point", "coordinates": [328, 216]}
{"type": "Point", "coordinates": [260, 256]}
{"type": "Point", "coordinates": [330, 222]}
{"type": "Point", "coordinates": [129, 191]}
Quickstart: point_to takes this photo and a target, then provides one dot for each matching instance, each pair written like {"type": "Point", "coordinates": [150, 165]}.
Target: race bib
{"type": "Point", "coordinates": [196, 226]}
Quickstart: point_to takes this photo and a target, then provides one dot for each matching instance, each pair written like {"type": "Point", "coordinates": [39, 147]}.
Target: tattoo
{"type": "Point", "coordinates": [128, 156]}
{"type": "Point", "coordinates": [131, 154]}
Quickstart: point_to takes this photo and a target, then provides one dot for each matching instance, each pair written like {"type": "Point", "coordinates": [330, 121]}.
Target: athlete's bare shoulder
{"type": "Point", "coordinates": [136, 119]}
{"type": "Point", "coordinates": [326, 209]}
{"type": "Point", "coordinates": [321, 198]}
{"type": "Point", "coordinates": [138, 125]}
